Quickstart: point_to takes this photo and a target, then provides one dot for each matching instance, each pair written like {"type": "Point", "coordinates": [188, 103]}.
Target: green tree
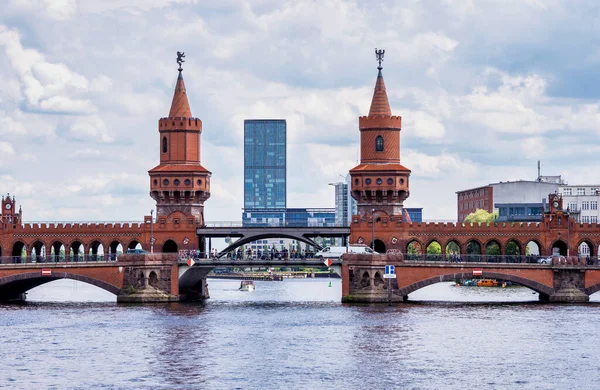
{"type": "Point", "coordinates": [481, 215]}
{"type": "Point", "coordinates": [434, 248]}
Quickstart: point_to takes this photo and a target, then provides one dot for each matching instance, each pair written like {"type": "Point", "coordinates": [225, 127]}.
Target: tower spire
{"type": "Point", "coordinates": [180, 107]}
{"type": "Point", "coordinates": [380, 104]}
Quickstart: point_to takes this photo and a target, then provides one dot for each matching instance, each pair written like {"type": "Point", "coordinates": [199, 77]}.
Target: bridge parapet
{"type": "Point", "coordinates": [70, 226]}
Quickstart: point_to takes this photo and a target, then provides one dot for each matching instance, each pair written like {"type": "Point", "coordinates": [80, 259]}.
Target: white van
{"type": "Point", "coordinates": [335, 252]}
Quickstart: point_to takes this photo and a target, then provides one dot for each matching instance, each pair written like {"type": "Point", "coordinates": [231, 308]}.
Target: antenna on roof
{"type": "Point", "coordinates": [539, 170]}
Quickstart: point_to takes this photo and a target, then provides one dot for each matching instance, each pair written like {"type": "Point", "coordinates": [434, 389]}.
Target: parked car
{"type": "Point", "coordinates": [545, 260]}
{"type": "Point", "coordinates": [136, 251]}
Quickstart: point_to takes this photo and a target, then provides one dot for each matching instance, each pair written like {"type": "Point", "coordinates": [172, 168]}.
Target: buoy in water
{"type": "Point", "coordinates": [330, 284]}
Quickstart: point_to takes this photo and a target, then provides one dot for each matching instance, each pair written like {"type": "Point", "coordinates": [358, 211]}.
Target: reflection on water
{"type": "Point", "coordinates": [296, 334]}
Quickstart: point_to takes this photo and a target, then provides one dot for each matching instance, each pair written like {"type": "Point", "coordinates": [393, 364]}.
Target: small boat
{"type": "Point", "coordinates": [487, 283]}
{"type": "Point", "coordinates": [247, 285]}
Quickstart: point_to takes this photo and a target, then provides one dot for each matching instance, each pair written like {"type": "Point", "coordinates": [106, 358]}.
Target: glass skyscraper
{"type": "Point", "coordinates": [264, 164]}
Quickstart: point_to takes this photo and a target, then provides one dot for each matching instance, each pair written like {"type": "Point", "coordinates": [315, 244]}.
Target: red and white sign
{"type": "Point", "coordinates": [328, 262]}
{"type": "Point", "coordinates": [46, 272]}
{"type": "Point", "coordinates": [190, 262]}
{"type": "Point", "coordinates": [477, 272]}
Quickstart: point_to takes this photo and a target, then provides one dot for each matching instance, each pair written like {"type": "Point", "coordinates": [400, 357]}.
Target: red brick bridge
{"type": "Point", "coordinates": [564, 280]}
{"type": "Point", "coordinates": [132, 278]}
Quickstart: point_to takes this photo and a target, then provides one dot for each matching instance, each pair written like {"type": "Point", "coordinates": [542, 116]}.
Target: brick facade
{"type": "Point", "coordinates": [469, 201]}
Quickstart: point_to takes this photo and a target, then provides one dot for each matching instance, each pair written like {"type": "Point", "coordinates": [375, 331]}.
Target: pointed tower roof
{"type": "Point", "coordinates": [380, 104]}
{"type": "Point", "coordinates": [180, 107]}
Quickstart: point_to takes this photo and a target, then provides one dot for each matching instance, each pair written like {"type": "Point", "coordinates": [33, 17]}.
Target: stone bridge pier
{"type": "Point", "coordinates": [362, 277]}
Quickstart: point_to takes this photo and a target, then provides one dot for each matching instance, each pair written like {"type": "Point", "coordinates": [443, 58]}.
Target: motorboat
{"type": "Point", "coordinates": [247, 285]}
{"type": "Point", "coordinates": [487, 283]}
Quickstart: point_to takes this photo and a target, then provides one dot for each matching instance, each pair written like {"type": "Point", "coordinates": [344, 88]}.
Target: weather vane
{"type": "Point", "coordinates": [180, 59]}
{"type": "Point", "coordinates": [379, 54]}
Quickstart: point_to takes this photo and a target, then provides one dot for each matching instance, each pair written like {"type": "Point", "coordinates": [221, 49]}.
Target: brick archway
{"type": "Point", "coordinates": [26, 281]}
{"type": "Point", "coordinates": [450, 277]}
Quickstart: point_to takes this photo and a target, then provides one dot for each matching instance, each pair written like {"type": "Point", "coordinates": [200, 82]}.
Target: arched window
{"type": "Point", "coordinates": [379, 144]}
{"type": "Point", "coordinates": [164, 144]}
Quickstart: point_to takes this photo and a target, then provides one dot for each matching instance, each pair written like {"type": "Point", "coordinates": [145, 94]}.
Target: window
{"type": "Point", "coordinates": [166, 182]}
{"type": "Point", "coordinates": [573, 206]}
{"type": "Point", "coordinates": [581, 191]}
{"type": "Point", "coordinates": [164, 144]}
{"type": "Point", "coordinates": [585, 205]}
{"type": "Point", "coordinates": [594, 219]}
{"type": "Point", "coordinates": [390, 181]}
{"type": "Point", "coordinates": [379, 181]}
{"type": "Point", "coordinates": [187, 182]}
{"type": "Point", "coordinates": [585, 219]}
{"type": "Point", "coordinates": [368, 181]}
{"type": "Point", "coordinates": [594, 205]}
{"type": "Point", "coordinates": [379, 144]}
{"type": "Point", "coordinates": [176, 182]}
{"type": "Point", "coordinates": [566, 191]}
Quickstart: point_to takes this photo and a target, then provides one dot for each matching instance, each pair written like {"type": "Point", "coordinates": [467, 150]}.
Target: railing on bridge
{"type": "Point", "coordinates": [506, 259]}
{"type": "Point", "coordinates": [230, 224]}
{"type": "Point", "coordinates": [56, 259]}
{"type": "Point", "coordinates": [185, 255]}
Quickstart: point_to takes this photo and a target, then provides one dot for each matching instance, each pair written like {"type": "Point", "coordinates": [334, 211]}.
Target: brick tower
{"type": "Point", "coordinates": [379, 182]}
{"type": "Point", "coordinates": [180, 184]}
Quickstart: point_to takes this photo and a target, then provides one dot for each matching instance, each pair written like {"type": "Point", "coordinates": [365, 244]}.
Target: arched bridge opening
{"type": "Point", "coordinates": [248, 239]}
{"type": "Point", "coordinates": [541, 289]}
{"type": "Point", "coordinates": [14, 286]}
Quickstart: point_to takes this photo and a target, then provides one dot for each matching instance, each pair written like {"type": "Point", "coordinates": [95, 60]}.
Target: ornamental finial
{"type": "Point", "coordinates": [180, 59]}
{"type": "Point", "coordinates": [379, 54]}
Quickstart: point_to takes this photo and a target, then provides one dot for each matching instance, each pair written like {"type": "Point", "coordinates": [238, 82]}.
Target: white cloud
{"type": "Point", "coordinates": [474, 82]}
{"type": "Point", "coordinates": [6, 149]}
{"type": "Point", "coordinates": [90, 128]}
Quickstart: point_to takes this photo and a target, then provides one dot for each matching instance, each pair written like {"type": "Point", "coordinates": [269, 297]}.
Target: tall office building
{"type": "Point", "coordinates": [264, 164]}
{"type": "Point", "coordinates": [345, 204]}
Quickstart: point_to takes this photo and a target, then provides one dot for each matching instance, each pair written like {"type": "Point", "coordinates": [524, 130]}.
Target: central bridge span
{"type": "Point", "coordinates": [248, 234]}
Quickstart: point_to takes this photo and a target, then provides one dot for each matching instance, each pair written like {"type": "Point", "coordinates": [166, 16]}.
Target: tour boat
{"type": "Point", "coordinates": [247, 285]}
{"type": "Point", "coordinates": [487, 283]}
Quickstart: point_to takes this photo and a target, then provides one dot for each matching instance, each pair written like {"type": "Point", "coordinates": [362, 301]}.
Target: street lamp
{"type": "Point", "coordinates": [152, 231]}
{"type": "Point", "coordinates": [568, 232]}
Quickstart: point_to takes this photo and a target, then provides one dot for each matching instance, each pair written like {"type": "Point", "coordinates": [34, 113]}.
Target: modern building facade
{"type": "Point", "coordinates": [520, 212]}
{"type": "Point", "coordinates": [415, 214]}
{"type": "Point", "coordinates": [345, 204]}
{"type": "Point", "coordinates": [582, 201]}
{"type": "Point", "coordinates": [511, 192]}
{"type": "Point", "coordinates": [265, 164]}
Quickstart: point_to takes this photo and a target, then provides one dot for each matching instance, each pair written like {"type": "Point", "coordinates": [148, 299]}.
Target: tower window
{"type": "Point", "coordinates": [379, 144]}
{"type": "Point", "coordinates": [165, 145]}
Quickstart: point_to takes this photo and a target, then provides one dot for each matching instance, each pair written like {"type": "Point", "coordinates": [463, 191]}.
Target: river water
{"type": "Point", "coordinates": [296, 334]}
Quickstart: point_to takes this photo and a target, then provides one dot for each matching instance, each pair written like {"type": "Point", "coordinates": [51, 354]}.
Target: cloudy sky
{"type": "Point", "coordinates": [485, 89]}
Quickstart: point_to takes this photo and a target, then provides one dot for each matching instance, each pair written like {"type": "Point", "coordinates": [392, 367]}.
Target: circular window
{"type": "Point", "coordinates": [199, 182]}
{"type": "Point", "coordinates": [390, 181]}
{"type": "Point", "coordinates": [401, 181]}
{"type": "Point", "coordinates": [187, 182]}
{"type": "Point", "coordinates": [166, 182]}
{"type": "Point", "coordinates": [379, 181]}
{"type": "Point", "coordinates": [155, 182]}
{"type": "Point", "coordinates": [356, 181]}
{"type": "Point", "coordinates": [176, 182]}
{"type": "Point", "coordinates": [368, 181]}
